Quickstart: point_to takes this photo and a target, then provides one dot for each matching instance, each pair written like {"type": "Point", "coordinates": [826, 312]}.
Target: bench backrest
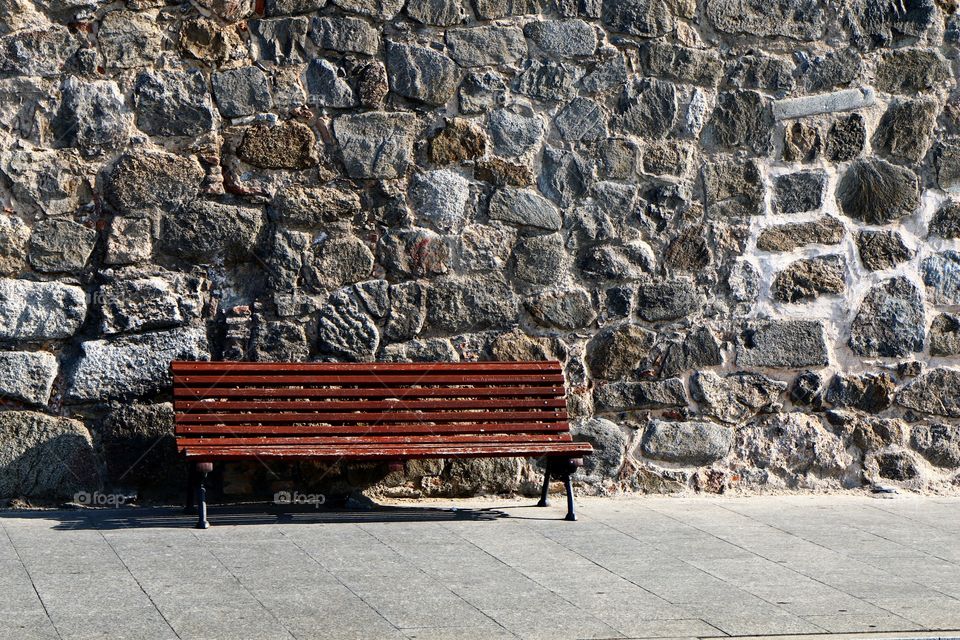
{"type": "Point", "coordinates": [369, 404]}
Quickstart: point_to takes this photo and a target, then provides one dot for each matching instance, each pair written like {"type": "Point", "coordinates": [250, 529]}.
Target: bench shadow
{"type": "Point", "coordinates": [248, 514]}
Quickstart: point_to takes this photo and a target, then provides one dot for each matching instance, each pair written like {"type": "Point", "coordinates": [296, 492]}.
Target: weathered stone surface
{"type": "Point", "coordinates": [407, 312]}
{"type": "Point", "coordinates": [340, 260]}
{"type": "Point", "coordinates": [906, 128]}
{"type": "Point", "coordinates": [459, 141]}
{"type": "Point", "coordinates": [314, 206]}
{"type": "Point", "coordinates": [609, 446]}
{"type": "Point", "coordinates": [787, 237]}
{"type": "Point", "coordinates": [807, 279]}
{"type": "Point", "coordinates": [376, 145]}
{"type": "Point", "coordinates": [799, 192]}
{"type": "Point", "coordinates": [548, 80]}
{"type": "Point", "coordinates": [43, 456]}
{"type": "Point", "coordinates": [941, 274]}
{"type": "Point", "coordinates": [241, 92]}
{"type": "Point", "coordinates": [890, 320]}
{"type": "Point", "coordinates": [945, 335]}
{"type": "Point", "coordinates": [667, 300]}
{"type": "Point", "coordinates": [741, 120]}
{"type": "Point", "coordinates": [524, 208]}
{"type": "Point", "coordinates": [796, 19]}
{"type": "Point", "coordinates": [565, 38]}
{"type": "Point", "coordinates": [566, 309]}
{"type": "Point", "coordinates": [878, 192]}
{"type": "Point", "coordinates": [733, 188]}
{"type": "Point", "coordinates": [846, 100]}
{"type": "Point", "coordinates": [648, 108]}
{"type": "Point", "coordinates": [345, 34]}
{"type": "Point", "coordinates": [345, 331]}
{"type": "Point", "coordinates": [485, 247]}
{"type": "Point", "coordinates": [646, 18]}
{"type": "Point", "coordinates": [616, 351]}
{"type": "Point", "coordinates": [421, 73]}
{"type": "Point", "coordinates": [782, 343]}
{"type": "Point", "coordinates": [539, 260]}
{"type": "Point", "coordinates": [14, 236]}
{"type": "Point", "coordinates": [871, 392]}
{"type": "Point", "coordinates": [834, 69]}
{"type": "Point", "coordinates": [688, 443]}
{"type": "Point", "coordinates": [442, 13]}
{"type": "Point", "coordinates": [130, 241]}
{"type": "Point", "coordinates": [414, 252]}
{"type": "Point", "coordinates": [173, 103]}
{"type": "Point", "coordinates": [735, 397]}
{"type": "Point", "coordinates": [613, 262]}
{"type": "Point", "coordinates": [517, 345]}
{"type": "Point", "coordinates": [211, 231]}
{"type": "Point", "coordinates": [482, 91]}
{"type": "Point", "coordinates": [36, 51]}
{"type": "Point", "coordinates": [582, 120]}
{"type": "Point", "coordinates": [634, 396]}
{"type": "Point", "coordinates": [145, 180]}
{"type": "Point", "coordinates": [493, 9]}
{"type": "Point", "coordinates": [129, 39]}
{"type": "Point", "coordinates": [380, 9]}
{"type": "Point", "coordinates": [440, 199]}
{"type": "Point", "coordinates": [697, 349]}
{"type": "Point", "coordinates": [60, 245]}
{"type": "Point", "coordinates": [910, 70]}
{"type": "Point", "coordinates": [92, 116]}
{"type": "Point", "coordinates": [149, 303]}
{"type": "Point", "coordinates": [471, 303]}
{"type": "Point", "coordinates": [947, 163]}
{"type": "Point", "coordinates": [564, 175]}
{"type": "Point", "coordinates": [205, 39]}
{"type": "Point", "coordinates": [43, 180]}
{"type": "Point", "coordinates": [290, 145]}
{"type": "Point", "coordinates": [946, 221]}
{"type": "Point", "coordinates": [682, 63]}
{"type": "Point", "coordinates": [280, 40]}
{"type": "Point", "coordinates": [514, 134]}
{"type": "Point", "coordinates": [134, 365]}
{"type": "Point", "coordinates": [933, 392]}
{"type": "Point", "coordinates": [767, 73]}
{"type": "Point", "coordinates": [878, 22]}
{"type": "Point", "coordinates": [486, 45]}
{"type": "Point", "coordinates": [32, 311]}
{"type": "Point", "coordinates": [792, 450]}
{"type": "Point", "coordinates": [846, 138]}
{"type": "Point", "coordinates": [881, 249]}
{"type": "Point", "coordinates": [938, 443]}
{"type": "Point", "coordinates": [27, 376]}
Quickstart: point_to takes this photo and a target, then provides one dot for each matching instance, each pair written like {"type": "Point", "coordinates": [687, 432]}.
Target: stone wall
{"type": "Point", "coordinates": [733, 220]}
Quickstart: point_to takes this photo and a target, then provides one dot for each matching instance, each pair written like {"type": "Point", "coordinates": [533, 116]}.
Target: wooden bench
{"type": "Point", "coordinates": [372, 412]}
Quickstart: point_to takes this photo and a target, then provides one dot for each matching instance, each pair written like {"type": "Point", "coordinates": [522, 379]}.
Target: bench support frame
{"type": "Point", "coordinates": [561, 468]}
{"type": "Point", "coordinates": [200, 471]}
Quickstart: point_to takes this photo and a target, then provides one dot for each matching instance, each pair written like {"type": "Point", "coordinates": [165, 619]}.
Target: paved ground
{"type": "Point", "coordinates": [636, 568]}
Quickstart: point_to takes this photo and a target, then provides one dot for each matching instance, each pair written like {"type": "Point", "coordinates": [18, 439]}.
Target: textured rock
{"type": "Point", "coordinates": [43, 456]}
{"type": "Point", "coordinates": [945, 335]}
{"type": "Point", "coordinates": [687, 443]}
{"type": "Point", "coordinates": [890, 321]}
{"type": "Point", "coordinates": [459, 141]}
{"type": "Point", "coordinates": [564, 309]}
{"type": "Point", "coordinates": [668, 300]}
{"type": "Point", "coordinates": [735, 397]}
{"type": "Point", "coordinates": [345, 34]}
{"type": "Point", "coordinates": [60, 245]}
{"type": "Point", "coordinates": [941, 274]}
{"type": "Point", "coordinates": [799, 192]}
{"type": "Point", "coordinates": [345, 331]}
{"type": "Point", "coordinates": [14, 236]}
{"type": "Point", "coordinates": [36, 51]}
{"type": "Point", "coordinates": [616, 351]}
{"type": "Point", "coordinates": [129, 39]}
{"type": "Point", "coordinates": [539, 260]}
{"type": "Point", "coordinates": [144, 180]}
{"type": "Point", "coordinates": [408, 311]}
{"type": "Point", "coordinates": [149, 303]}
{"type": "Point", "coordinates": [40, 310]}
{"type": "Point", "coordinates": [742, 119]}
{"type": "Point", "coordinates": [648, 108]}
{"type": "Point", "coordinates": [420, 73]}
{"type": "Point", "coordinates": [92, 116]}
{"type": "Point", "coordinates": [486, 248]}
{"type": "Point", "coordinates": [634, 396]}
{"type": "Point", "coordinates": [132, 366]}
{"type": "Point", "coordinates": [525, 208]}
{"type": "Point", "coordinates": [314, 206]}
{"type": "Point", "coordinates": [340, 260]}
{"type": "Point", "coordinates": [241, 92]}
{"type": "Point", "coordinates": [938, 443]}
{"type": "Point", "coordinates": [291, 145]}
{"type": "Point", "coordinates": [514, 134]}
{"type": "Point", "coordinates": [845, 100]}
{"type": "Point", "coordinates": [910, 70]}
{"type": "Point", "coordinates": [414, 252]}
{"type": "Point", "coordinates": [487, 45]}
{"type": "Point", "coordinates": [733, 188]}
{"type": "Point", "coordinates": [609, 446]}
{"type": "Point", "coordinates": [548, 80]}
{"type": "Point", "coordinates": [472, 303]}
{"type": "Point", "coordinates": [805, 280]}
{"type": "Point", "coordinates": [482, 91]}
{"type": "Point", "coordinates": [787, 237]}
{"type": "Point", "coordinates": [211, 231]}
{"type": "Point", "coordinates": [436, 12]}
{"type": "Point", "coordinates": [582, 120]}
{"type": "Point", "coordinates": [946, 221]}
{"type": "Point", "coordinates": [565, 38]}
{"type": "Point", "coordinates": [682, 63]}
{"type": "Point", "coordinates": [879, 22]}
{"type": "Point", "coordinates": [376, 145]}
{"type": "Point", "coordinates": [130, 241]}
{"type": "Point", "coordinates": [697, 349]}
{"type": "Point", "coordinates": [27, 376]}
{"type": "Point", "coordinates": [846, 138]}
{"type": "Point", "coordinates": [906, 128]}
{"type": "Point", "coordinates": [871, 392]}
{"type": "Point", "coordinates": [380, 9]}
{"type": "Point", "coordinates": [440, 199]}
{"type": "Point", "coordinates": [881, 249]}
{"type": "Point", "coordinates": [795, 19]}
{"type": "Point", "coordinates": [878, 192]}
{"type": "Point", "coordinates": [933, 392]}
{"type": "Point", "coordinates": [646, 18]}
{"type": "Point", "coordinates": [279, 40]}
{"type": "Point", "coordinates": [173, 103]}
{"type": "Point", "coordinates": [783, 343]}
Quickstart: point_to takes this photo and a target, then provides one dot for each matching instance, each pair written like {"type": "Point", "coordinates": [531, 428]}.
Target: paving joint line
{"type": "Point", "coordinates": [33, 584]}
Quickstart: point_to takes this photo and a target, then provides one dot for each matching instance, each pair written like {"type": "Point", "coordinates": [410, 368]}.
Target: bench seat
{"type": "Point", "coordinates": [389, 412]}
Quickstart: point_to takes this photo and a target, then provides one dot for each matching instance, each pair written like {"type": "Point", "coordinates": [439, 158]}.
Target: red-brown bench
{"type": "Point", "coordinates": [372, 412]}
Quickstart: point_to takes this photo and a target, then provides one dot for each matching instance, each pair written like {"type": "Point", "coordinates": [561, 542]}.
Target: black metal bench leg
{"type": "Point", "coordinates": [203, 468]}
{"type": "Point", "coordinates": [191, 489]}
{"type": "Point", "coordinates": [571, 514]}
{"type": "Point", "coordinates": [544, 502]}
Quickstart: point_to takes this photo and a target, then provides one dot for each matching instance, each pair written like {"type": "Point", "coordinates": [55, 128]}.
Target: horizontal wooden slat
{"type": "Point", "coordinates": [367, 405]}
{"type": "Point", "coordinates": [347, 429]}
{"type": "Point", "coordinates": [352, 368]}
{"type": "Point", "coordinates": [389, 452]}
{"type": "Point", "coordinates": [375, 441]}
{"type": "Point", "coordinates": [372, 416]}
{"type": "Point", "coordinates": [383, 392]}
{"type": "Point", "coordinates": [373, 379]}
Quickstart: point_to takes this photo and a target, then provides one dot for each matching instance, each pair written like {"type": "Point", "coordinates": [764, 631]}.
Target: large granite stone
{"type": "Point", "coordinates": [736, 396]}
{"type": "Point", "coordinates": [783, 343]}
{"type": "Point", "coordinates": [44, 456]}
{"type": "Point", "coordinates": [40, 310]}
{"type": "Point", "coordinates": [688, 443]}
{"type": "Point", "coordinates": [933, 392]}
{"type": "Point", "coordinates": [890, 321]}
{"type": "Point", "coordinates": [27, 376]}
{"type": "Point", "coordinates": [376, 145]}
